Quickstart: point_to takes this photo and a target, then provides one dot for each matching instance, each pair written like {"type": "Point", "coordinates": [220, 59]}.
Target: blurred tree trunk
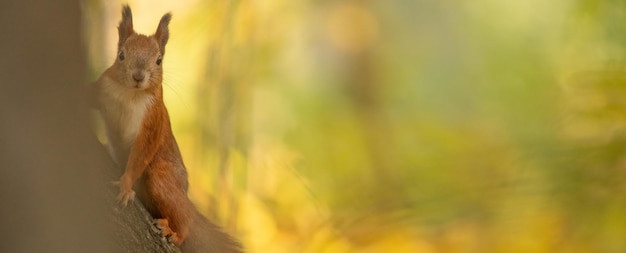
{"type": "Point", "coordinates": [224, 114]}
{"type": "Point", "coordinates": [365, 90]}
{"type": "Point", "coordinates": [54, 177]}
{"type": "Point", "coordinates": [51, 182]}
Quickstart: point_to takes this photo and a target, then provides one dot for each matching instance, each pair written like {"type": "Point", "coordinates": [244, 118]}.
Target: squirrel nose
{"type": "Point", "coordinates": [138, 76]}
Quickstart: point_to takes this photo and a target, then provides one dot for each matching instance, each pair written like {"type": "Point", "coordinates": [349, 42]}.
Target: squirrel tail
{"type": "Point", "coordinates": [207, 237]}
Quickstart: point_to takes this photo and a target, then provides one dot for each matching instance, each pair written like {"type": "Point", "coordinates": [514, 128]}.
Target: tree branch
{"type": "Point", "coordinates": [134, 230]}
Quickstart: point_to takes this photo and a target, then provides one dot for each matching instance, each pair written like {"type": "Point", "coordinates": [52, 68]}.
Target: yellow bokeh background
{"type": "Point", "coordinates": [395, 126]}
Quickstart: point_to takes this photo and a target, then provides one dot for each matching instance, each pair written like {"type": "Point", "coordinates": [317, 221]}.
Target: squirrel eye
{"type": "Point", "coordinates": [159, 60]}
{"type": "Point", "coordinates": [120, 55]}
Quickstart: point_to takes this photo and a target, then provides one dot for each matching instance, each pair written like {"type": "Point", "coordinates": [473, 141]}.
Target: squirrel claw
{"type": "Point", "coordinates": [126, 195]}
{"type": "Point", "coordinates": [165, 231]}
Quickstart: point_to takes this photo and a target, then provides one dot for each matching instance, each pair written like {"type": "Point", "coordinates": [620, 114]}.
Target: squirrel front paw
{"type": "Point", "coordinates": [127, 194]}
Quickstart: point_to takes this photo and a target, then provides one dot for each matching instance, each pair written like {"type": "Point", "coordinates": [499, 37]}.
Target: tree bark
{"type": "Point", "coordinates": [55, 194]}
{"type": "Point", "coordinates": [134, 229]}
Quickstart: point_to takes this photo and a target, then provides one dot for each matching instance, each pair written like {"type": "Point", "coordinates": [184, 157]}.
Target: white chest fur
{"type": "Point", "coordinates": [123, 110]}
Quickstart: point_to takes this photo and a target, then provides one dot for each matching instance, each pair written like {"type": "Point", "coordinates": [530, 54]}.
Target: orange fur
{"type": "Point", "coordinates": [140, 138]}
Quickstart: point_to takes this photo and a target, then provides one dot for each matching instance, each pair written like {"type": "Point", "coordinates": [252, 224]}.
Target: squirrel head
{"type": "Point", "coordinates": [139, 57]}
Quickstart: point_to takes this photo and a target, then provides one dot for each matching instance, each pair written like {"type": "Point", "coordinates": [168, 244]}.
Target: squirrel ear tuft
{"type": "Point", "coordinates": [162, 33]}
{"type": "Point", "coordinates": [125, 28]}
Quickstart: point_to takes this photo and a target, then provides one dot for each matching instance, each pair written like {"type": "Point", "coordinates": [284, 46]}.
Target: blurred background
{"type": "Point", "coordinates": [395, 126]}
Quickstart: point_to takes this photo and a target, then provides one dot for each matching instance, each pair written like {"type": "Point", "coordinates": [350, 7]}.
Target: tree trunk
{"type": "Point", "coordinates": [55, 194]}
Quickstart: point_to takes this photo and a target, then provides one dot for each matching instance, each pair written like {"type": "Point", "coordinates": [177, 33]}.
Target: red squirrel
{"type": "Point", "coordinates": [130, 99]}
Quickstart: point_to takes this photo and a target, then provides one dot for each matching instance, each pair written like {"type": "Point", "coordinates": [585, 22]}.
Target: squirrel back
{"type": "Point", "coordinates": [130, 98]}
